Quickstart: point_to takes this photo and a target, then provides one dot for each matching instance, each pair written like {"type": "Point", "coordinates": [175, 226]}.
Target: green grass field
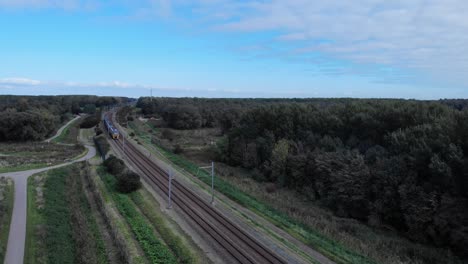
{"type": "Point", "coordinates": [154, 247]}
{"type": "Point", "coordinates": [60, 227]}
{"type": "Point", "coordinates": [142, 199]}
{"type": "Point", "coordinates": [33, 155]}
{"type": "Point", "coordinates": [6, 208]}
{"type": "Point", "coordinates": [23, 167]}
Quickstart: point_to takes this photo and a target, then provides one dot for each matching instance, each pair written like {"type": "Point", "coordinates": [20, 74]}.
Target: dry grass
{"type": "Point", "coordinates": [190, 140]}
{"type": "Point", "coordinates": [18, 156]}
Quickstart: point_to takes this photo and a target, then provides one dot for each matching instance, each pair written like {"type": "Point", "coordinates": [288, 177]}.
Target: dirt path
{"type": "Point", "coordinates": [17, 235]}
{"type": "Point", "coordinates": [59, 132]}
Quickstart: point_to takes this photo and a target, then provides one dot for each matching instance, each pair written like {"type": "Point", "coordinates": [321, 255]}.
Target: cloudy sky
{"type": "Point", "coordinates": [226, 48]}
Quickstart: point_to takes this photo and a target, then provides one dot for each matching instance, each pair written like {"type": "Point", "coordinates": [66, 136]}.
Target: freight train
{"type": "Point", "coordinates": [113, 132]}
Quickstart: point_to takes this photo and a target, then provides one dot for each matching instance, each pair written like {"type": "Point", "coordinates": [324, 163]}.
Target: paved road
{"type": "Point", "coordinates": [59, 132]}
{"type": "Point", "coordinates": [17, 235]}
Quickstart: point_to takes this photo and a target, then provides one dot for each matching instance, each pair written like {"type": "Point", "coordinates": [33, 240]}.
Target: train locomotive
{"type": "Point", "coordinates": [113, 132]}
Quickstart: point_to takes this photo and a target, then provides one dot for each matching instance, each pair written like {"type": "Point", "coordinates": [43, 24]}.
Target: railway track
{"type": "Point", "coordinates": [237, 243]}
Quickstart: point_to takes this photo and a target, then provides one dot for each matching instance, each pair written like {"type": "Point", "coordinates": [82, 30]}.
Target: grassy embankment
{"type": "Point", "coordinates": [69, 134]}
{"type": "Point", "coordinates": [300, 217]}
{"type": "Point", "coordinates": [158, 242]}
{"type": "Point", "coordinates": [60, 226]}
{"type": "Point", "coordinates": [6, 208]}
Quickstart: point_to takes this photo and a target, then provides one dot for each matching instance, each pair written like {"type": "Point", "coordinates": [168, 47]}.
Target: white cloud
{"type": "Point", "coordinates": [60, 4]}
{"type": "Point", "coordinates": [428, 36]}
{"type": "Point", "coordinates": [18, 81]}
{"type": "Point", "coordinates": [421, 36]}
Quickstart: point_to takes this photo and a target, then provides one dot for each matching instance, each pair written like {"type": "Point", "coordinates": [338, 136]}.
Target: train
{"type": "Point", "coordinates": [113, 132]}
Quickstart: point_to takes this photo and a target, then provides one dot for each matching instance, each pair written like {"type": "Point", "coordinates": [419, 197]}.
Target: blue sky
{"type": "Point", "coordinates": [227, 48]}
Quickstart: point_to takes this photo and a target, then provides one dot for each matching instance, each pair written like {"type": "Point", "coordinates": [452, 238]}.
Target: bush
{"type": "Point", "coordinates": [98, 130]}
{"type": "Point", "coordinates": [128, 182]}
{"type": "Point", "coordinates": [114, 165]}
{"type": "Point", "coordinates": [178, 149]}
{"type": "Point", "coordinates": [90, 121]}
{"type": "Point", "coordinates": [102, 144]}
{"type": "Point", "coordinates": [168, 134]}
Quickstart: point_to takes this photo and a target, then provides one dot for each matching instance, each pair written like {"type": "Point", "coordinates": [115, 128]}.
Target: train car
{"type": "Point", "coordinates": [113, 132]}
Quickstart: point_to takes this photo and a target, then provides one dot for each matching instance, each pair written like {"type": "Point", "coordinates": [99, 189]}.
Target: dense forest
{"type": "Point", "coordinates": [28, 118]}
{"type": "Point", "coordinates": [401, 164]}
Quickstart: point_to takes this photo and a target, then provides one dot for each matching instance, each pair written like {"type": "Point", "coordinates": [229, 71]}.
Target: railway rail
{"type": "Point", "coordinates": [236, 242]}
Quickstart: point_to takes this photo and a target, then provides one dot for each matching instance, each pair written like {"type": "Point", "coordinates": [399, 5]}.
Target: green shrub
{"type": "Point", "coordinates": [178, 149]}
{"type": "Point", "coordinates": [90, 121]}
{"type": "Point", "coordinates": [128, 182]}
{"type": "Point", "coordinates": [114, 165]}
{"type": "Point", "coordinates": [102, 144]}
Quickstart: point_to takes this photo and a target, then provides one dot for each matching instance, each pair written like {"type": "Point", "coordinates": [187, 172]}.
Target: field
{"type": "Point", "coordinates": [25, 156]}
{"type": "Point", "coordinates": [336, 237]}
{"type": "Point", "coordinates": [60, 227]}
{"type": "Point", "coordinates": [156, 239]}
{"type": "Point", "coordinates": [6, 207]}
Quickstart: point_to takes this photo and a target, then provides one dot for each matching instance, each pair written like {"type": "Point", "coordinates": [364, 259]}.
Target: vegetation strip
{"type": "Point", "coordinates": [6, 209]}
{"type": "Point", "coordinates": [176, 245]}
{"type": "Point", "coordinates": [61, 228]}
{"type": "Point", "coordinates": [120, 230]}
{"type": "Point", "coordinates": [154, 249]}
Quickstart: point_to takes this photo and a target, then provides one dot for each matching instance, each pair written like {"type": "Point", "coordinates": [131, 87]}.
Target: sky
{"type": "Point", "coordinates": [227, 48]}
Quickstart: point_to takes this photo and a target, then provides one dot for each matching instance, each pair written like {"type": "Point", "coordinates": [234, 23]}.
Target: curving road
{"type": "Point", "coordinates": [17, 235]}
{"type": "Point", "coordinates": [59, 132]}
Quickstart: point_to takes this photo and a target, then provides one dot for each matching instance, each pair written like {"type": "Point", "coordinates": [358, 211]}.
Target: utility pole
{"type": "Point", "coordinates": [169, 203]}
{"type": "Point", "coordinates": [212, 182]}
{"type": "Point", "coordinates": [123, 138]}
{"type": "Point", "coordinates": [212, 179]}
{"type": "Point", "coordinates": [151, 94]}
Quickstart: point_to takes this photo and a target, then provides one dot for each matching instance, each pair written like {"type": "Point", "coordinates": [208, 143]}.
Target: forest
{"type": "Point", "coordinates": [394, 164]}
{"type": "Point", "coordinates": [29, 118]}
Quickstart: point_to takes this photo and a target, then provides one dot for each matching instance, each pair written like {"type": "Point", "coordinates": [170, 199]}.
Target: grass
{"type": "Point", "coordinates": [60, 226]}
{"type": "Point", "coordinates": [6, 208]}
{"type": "Point", "coordinates": [33, 155]}
{"type": "Point", "coordinates": [23, 167]}
{"type": "Point", "coordinates": [49, 233]}
{"type": "Point", "coordinates": [155, 250]}
{"type": "Point", "coordinates": [34, 248]}
{"type": "Point", "coordinates": [174, 242]}
{"type": "Point", "coordinates": [69, 133]}
{"type": "Point", "coordinates": [118, 224]}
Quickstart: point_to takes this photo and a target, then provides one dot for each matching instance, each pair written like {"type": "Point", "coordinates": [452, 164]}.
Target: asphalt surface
{"type": "Point", "coordinates": [17, 235]}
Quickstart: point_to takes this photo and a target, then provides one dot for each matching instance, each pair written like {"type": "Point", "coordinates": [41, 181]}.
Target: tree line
{"type": "Point", "coordinates": [391, 163]}
{"type": "Point", "coordinates": [30, 118]}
